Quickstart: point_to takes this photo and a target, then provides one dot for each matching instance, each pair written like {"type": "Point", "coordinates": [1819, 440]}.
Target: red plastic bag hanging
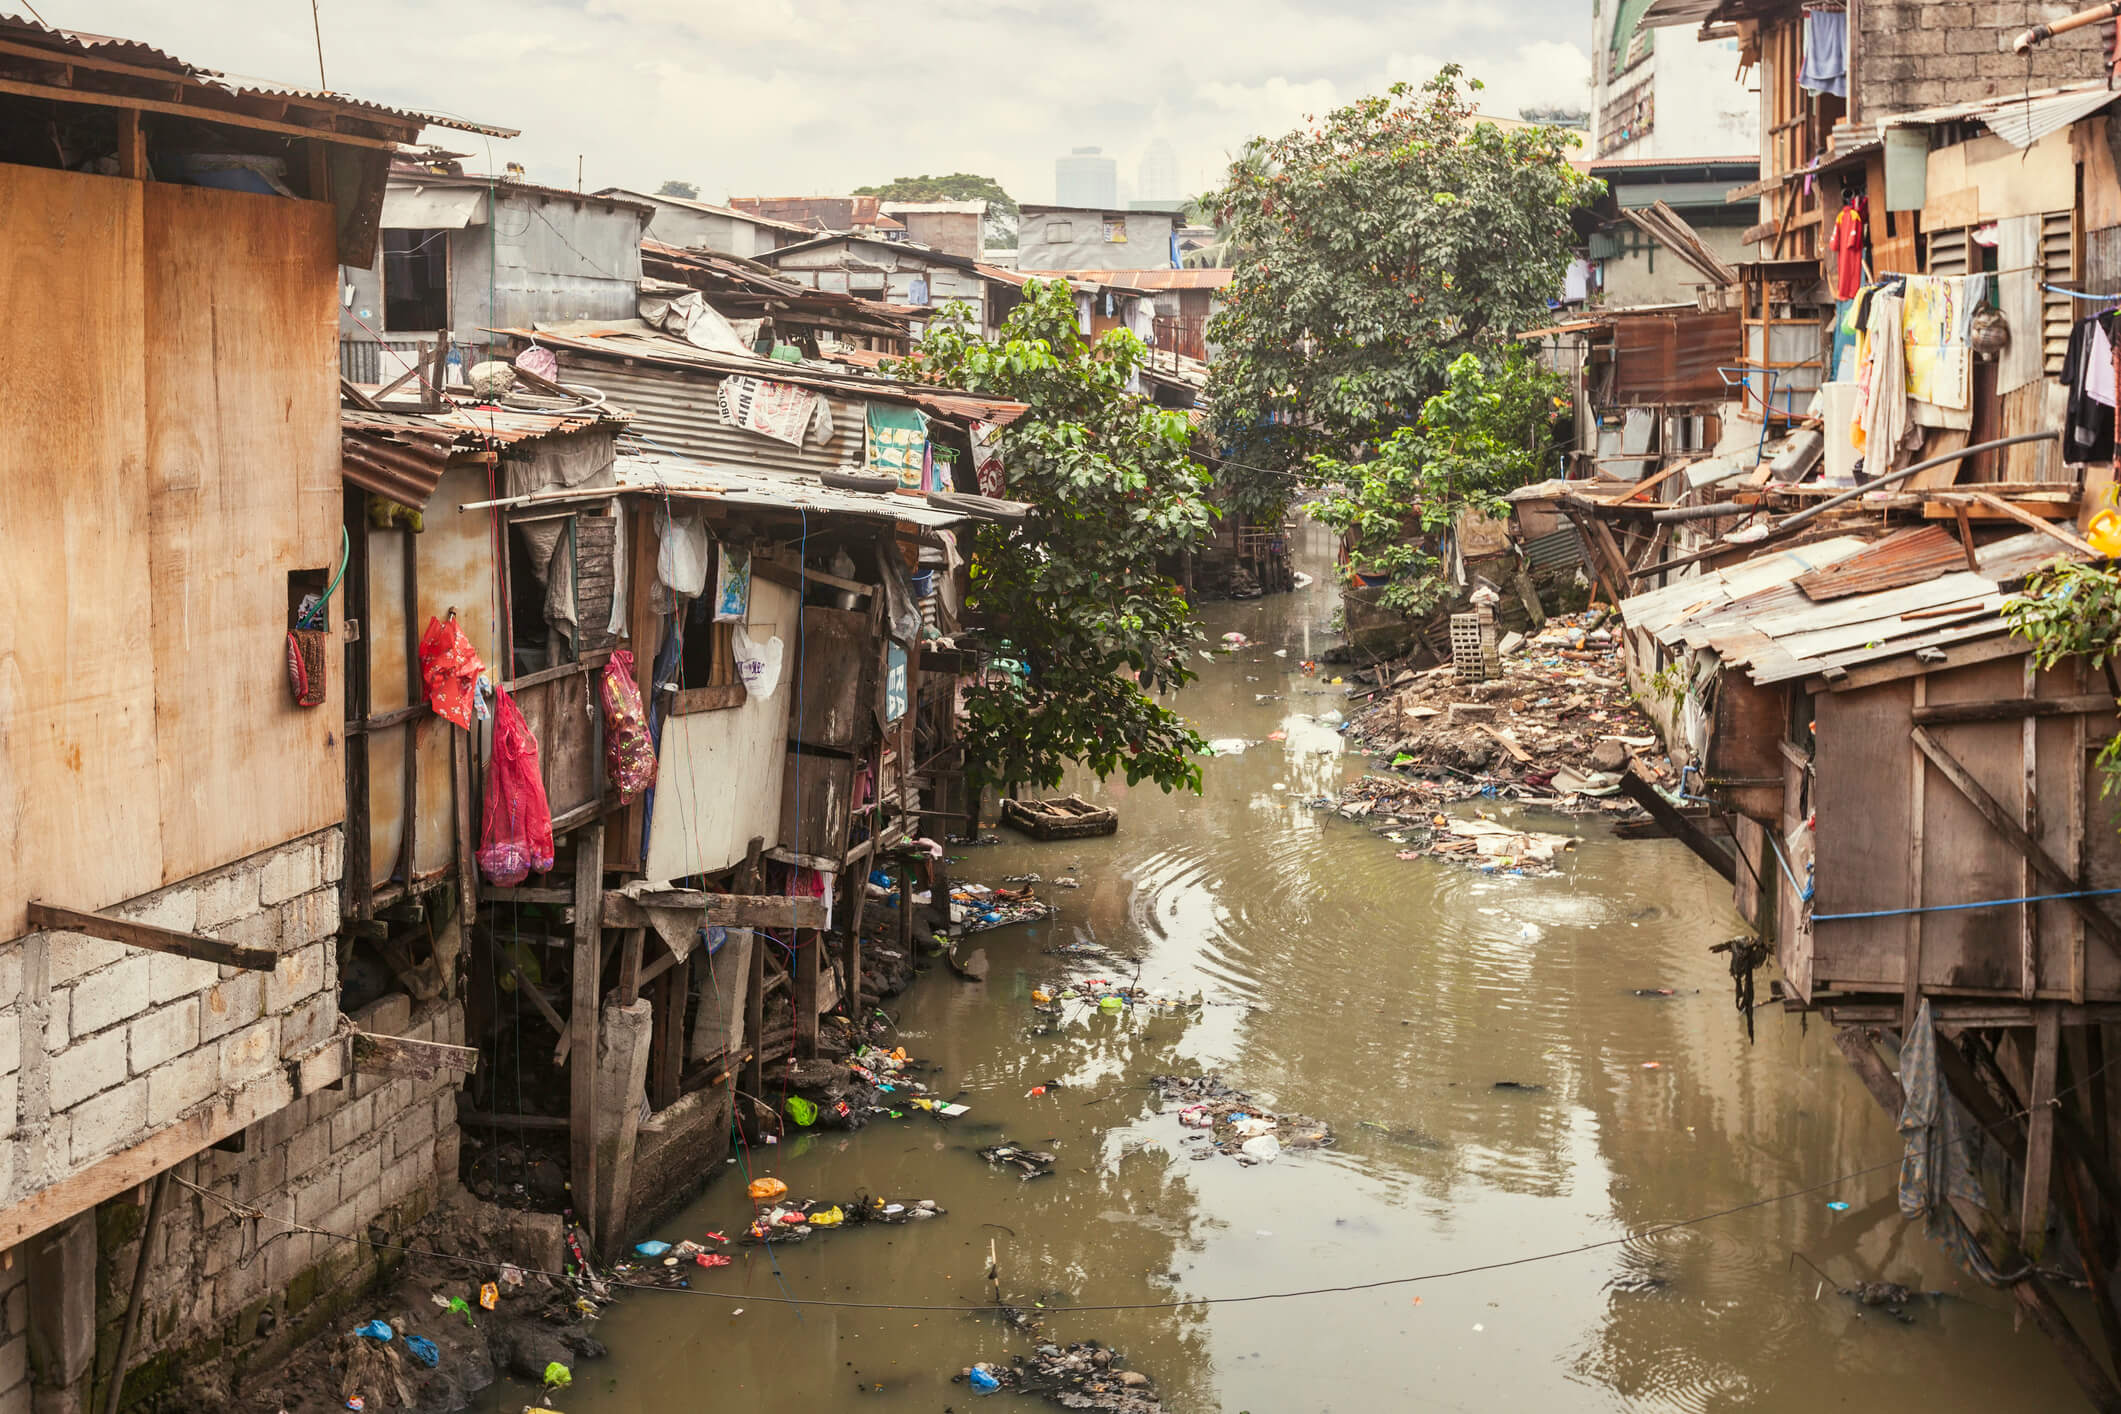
{"type": "Point", "coordinates": [629, 753]}
{"type": "Point", "coordinates": [449, 669]}
{"type": "Point", "coordinates": [516, 838]}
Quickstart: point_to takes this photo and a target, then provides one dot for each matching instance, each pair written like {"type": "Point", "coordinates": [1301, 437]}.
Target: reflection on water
{"type": "Point", "coordinates": [1387, 998]}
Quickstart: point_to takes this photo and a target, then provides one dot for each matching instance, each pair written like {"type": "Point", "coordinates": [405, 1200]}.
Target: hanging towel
{"type": "Point", "coordinates": [1826, 53]}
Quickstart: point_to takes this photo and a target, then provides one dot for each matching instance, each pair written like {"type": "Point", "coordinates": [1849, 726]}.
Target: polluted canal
{"type": "Point", "coordinates": [1464, 1070]}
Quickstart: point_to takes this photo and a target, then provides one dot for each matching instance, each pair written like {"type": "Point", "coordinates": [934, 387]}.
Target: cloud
{"type": "Point", "coordinates": [812, 96]}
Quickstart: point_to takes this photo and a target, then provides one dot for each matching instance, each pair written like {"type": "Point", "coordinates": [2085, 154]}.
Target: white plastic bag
{"type": "Point", "coordinates": [685, 554]}
{"type": "Point", "coordinates": [757, 664]}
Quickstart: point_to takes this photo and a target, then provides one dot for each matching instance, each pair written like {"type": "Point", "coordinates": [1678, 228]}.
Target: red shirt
{"type": "Point", "coordinates": [1848, 241]}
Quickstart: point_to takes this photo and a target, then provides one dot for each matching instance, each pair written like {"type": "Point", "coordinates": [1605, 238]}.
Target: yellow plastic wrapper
{"type": "Point", "coordinates": [831, 1217]}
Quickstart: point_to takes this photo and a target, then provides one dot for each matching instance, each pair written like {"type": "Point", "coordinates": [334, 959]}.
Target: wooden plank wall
{"type": "Point", "coordinates": [241, 389]}
{"type": "Point", "coordinates": [80, 810]}
{"type": "Point", "coordinates": [1865, 798]}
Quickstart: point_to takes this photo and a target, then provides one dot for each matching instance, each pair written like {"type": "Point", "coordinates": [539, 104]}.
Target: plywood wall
{"type": "Point", "coordinates": [243, 475]}
{"type": "Point", "coordinates": [80, 811]}
{"type": "Point", "coordinates": [719, 773]}
{"type": "Point", "coordinates": [169, 366]}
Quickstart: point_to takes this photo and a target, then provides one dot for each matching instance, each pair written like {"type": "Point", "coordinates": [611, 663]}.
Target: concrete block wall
{"type": "Point", "coordinates": [102, 1044]}
{"type": "Point", "coordinates": [1922, 53]}
{"type": "Point", "coordinates": [227, 1294]}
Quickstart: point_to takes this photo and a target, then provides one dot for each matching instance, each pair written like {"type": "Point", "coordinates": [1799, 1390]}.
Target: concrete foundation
{"type": "Point", "coordinates": [621, 1082]}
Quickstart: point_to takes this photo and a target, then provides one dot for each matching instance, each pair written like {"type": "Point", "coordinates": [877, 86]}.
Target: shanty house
{"type": "Point", "coordinates": [463, 254]}
{"type": "Point", "coordinates": [171, 742]}
{"type": "Point", "coordinates": [899, 272]}
{"type": "Point", "coordinates": [701, 225]}
{"type": "Point", "coordinates": [1063, 238]}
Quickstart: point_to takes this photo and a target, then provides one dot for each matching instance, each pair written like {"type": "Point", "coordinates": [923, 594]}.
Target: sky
{"type": "Point", "coordinates": [804, 97]}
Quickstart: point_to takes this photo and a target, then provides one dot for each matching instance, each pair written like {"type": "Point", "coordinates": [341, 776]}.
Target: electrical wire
{"type": "Point", "coordinates": [1181, 1303]}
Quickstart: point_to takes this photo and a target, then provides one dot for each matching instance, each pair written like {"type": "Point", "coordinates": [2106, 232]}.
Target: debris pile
{"type": "Point", "coordinates": [849, 1091]}
{"type": "Point", "coordinates": [1082, 1376]}
{"type": "Point", "coordinates": [1558, 727]}
{"type": "Point", "coordinates": [1030, 1163]}
{"type": "Point", "coordinates": [1103, 994]}
{"type": "Point", "coordinates": [977, 908]}
{"type": "Point", "coordinates": [1229, 1122]}
{"type": "Point", "coordinates": [792, 1220]}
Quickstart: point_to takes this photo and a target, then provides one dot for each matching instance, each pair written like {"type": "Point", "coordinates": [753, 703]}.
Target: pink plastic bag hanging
{"type": "Point", "coordinates": [629, 753]}
{"type": "Point", "coordinates": [516, 838]}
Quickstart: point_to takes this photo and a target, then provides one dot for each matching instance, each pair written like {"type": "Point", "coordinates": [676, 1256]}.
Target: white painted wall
{"type": "Point", "coordinates": [1702, 110]}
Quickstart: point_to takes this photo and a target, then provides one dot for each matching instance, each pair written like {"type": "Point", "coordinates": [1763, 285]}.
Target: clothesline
{"type": "Point", "coordinates": [2081, 294]}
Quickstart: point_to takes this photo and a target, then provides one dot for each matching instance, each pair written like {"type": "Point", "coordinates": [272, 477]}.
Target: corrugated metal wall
{"type": "Point", "coordinates": [676, 410]}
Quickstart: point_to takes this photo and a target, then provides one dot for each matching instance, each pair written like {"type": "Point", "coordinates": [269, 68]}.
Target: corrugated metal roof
{"type": "Point", "coordinates": [1753, 615]}
{"type": "Point", "coordinates": [1910, 557]}
{"type": "Point", "coordinates": [2020, 119]}
{"type": "Point", "coordinates": [401, 453]}
{"type": "Point", "coordinates": [746, 486]}
{"type": "Point", "coordinates": [676, 411]}
{"type": "Point", "coordinates": [612, 344]}
{"type": "Point", "coordinates": [751, 217]}
{"type": "Point", "coordinates": [131, 52]}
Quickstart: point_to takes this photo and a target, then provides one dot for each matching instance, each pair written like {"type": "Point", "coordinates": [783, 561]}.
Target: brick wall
{"type": "Point", "coordinates": [226, 1294]}
{"type": "Point", "coordinates": [102, 1044]}
{"type": "Point", "coordinates": [1922, 53]}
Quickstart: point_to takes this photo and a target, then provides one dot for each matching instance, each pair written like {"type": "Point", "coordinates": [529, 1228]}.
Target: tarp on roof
{"type": "Point", "coordinates": [743, 486]}
{"type": "Point", "coordinates": [421, 208]}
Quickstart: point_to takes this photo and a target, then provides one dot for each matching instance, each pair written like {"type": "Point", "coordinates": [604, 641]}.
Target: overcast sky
{"type": "Point", "coordinates": [794, 97]}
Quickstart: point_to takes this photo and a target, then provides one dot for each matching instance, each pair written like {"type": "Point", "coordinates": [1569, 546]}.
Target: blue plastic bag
{"type": "Point", "coordinates": [984, 1382]}
{"type": "Point", "coordinates": [423, 1350]}
{"type": "Point", "coordinates": [651, 1248]}
{"type": "Point", "coordinates": [376, 1330]}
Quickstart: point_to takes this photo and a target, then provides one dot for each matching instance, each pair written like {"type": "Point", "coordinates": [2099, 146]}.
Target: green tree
{"type": "Point", "coordinates": [1002, 212]}
{"type": "Point", "coordinates": [1487, 432]}
{"type": "Point", "coordinates": [1077, 591]}
{"type": "Point", "coordinates": [1373, 247]}
{"type": "Point", "coordinates": [683, 191]}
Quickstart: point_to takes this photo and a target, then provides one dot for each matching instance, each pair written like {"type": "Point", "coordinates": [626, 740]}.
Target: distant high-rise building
{"type": "Point", "coordinates": [1158, 178]}
{"type": "Point", "coordinates": [1085, 177]}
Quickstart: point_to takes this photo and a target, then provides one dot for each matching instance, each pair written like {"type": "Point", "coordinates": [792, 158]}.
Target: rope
{"type": "Point", "coordinates": [1957, 907]}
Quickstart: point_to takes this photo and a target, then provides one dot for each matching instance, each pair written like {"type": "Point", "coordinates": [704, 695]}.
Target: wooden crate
{"type": "Point", "coordinates": [1069, 818]}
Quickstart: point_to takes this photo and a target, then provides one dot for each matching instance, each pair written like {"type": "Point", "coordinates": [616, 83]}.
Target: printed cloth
{"type": "Point", "coordinates": [987, 459]}
{"type": "Point", "coordinates": [781, 411]}
{"type": "Point", "coordinates": [897, 443]}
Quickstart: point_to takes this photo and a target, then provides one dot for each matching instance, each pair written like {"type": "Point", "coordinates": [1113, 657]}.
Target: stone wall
{"type": "Point", "coordinates": [101, 1044]}
{"type": "Point", "coordinates": [1915, 54]}
{"type": "Point", "coordinates": [226, 1293]}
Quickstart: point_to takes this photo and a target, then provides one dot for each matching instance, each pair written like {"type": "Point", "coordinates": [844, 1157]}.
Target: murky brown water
{"type": "Point", "coordinates": [1367, 991]}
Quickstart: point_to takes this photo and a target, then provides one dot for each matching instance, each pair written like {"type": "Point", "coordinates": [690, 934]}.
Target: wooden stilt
{"type": "Point", "coordinates": [583, 1019]}
{"type": "Point", "coordinates": [804, 990]}
{"type": "Point", "coordinates": [2040, 1133]}
{"type": "Point", "coordinates": [667, 1064]}
{"type": "Point", "coordinates": [2077, 1357]}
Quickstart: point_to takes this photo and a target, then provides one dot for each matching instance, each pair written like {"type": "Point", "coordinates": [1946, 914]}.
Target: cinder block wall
{"type": "Point", "coordinates": [102, 1044]}
{"type": "Point", "coordinates": [1922, 53]}
{"type": "Point", "coordinates": [227, 1293]}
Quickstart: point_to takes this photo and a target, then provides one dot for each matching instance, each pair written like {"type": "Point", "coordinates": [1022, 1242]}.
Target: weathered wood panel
{"type": "Point", "coordinates": [817, 795]}
{"type": "Point", "coordinates": [719, 775]}
{"type": "Point", "coordinates": [837, 650]}
{"type": "Point", "coordinates": [80, 819]}
{"type": "Point", "coordinates": [241, 362]}
{"type": "Point", "coordinates": [1865, 786]}
{"type": "Point", "coordinates": [1793, 934]}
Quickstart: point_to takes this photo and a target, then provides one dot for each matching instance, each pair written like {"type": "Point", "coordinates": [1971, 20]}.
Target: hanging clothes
{"type": "Point", "coordinates": [1847, 243]}
{"type": "Point", "coordinates": [1826, 53]}
{"type": "Point", "coordinates": [1885, 429]}
{"type": "Point", "coordinates": [2087, 424]}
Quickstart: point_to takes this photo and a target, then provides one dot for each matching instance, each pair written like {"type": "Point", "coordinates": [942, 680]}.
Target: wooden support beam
{"type": "Point", "coordinates": [667, 1064]}
{"type": "Point", "coordinates": [44, 916]}
{"type": "Point", "coordinates": [1911, 947]}
{"type": "Point", "coordinates": [499, 893]}
{"type": "Point", "coordinates": [2010, 709]}
{"type": "Point", "coordinates": [805, 994]}
{"type": "Point", "coordinates": [1857, 1045]}
{"type": "Point", "coordinates": [410, 1059]}
{"type": "Point", "coordinates": [2040, 1134]}
{"type": "Point", "coordinates": [1639, 789]}
{"type": "Point", "coordinates": [718, 910]}
{"type": "Point", "coordinates": [630, 978]}
{"type": "Point", "coordinates": [750, 875]}
{"type": "Point", "coordinates": [2051, 873]}
{"type": "Point", "coordinates": [582, 1076]}
{"type": "Point", "coordinates": [2025, 517]}
{"type": "Point", "coordinates": [2077, 1357]}
{"type": "Point", "coordinates": [198, 112]}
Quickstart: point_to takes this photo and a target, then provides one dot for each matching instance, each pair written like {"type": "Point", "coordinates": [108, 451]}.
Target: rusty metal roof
{"type": "Point", "coordinates": [401, 453]}
{"type": "Point", "coordinates": [2021, 119]}
{"type": "Point", "coordinates": [130, 58]}
{"type": "Point", "coordinates": [1753, 616]}
{"type": "Point", "coordinates": [1912, 556]}
{"type": "Point", "coordinates": [644, 345]}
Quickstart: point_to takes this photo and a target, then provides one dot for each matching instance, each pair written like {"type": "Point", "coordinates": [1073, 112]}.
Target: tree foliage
{"type": "Point", "coordinates": [1002, 211]}
{"type": "Point", "coordinates": [1486, 433]}
{"type": "Point", "coordinates": [683, 191]}
{"type": "Point", "coordinates": [2073, 610]}
{"type": "Point", "coordinates": [1078, 591]}
{"type": "Point", "coordinates": [1373, 247]}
